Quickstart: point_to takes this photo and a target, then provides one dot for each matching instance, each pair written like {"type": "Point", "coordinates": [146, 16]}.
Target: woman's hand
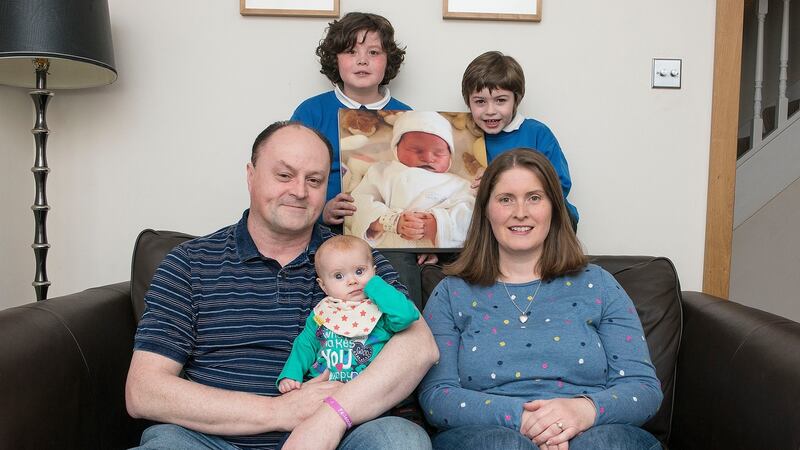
{"type": "Point", "coordinates": [338, 208]}
{"type": "Point", "coordinates": [561, 446]}
{"type": "Point", "coordinates": [551, 423]}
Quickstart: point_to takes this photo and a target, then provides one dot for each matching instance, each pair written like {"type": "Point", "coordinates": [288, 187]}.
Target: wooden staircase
{"type": "Point", "coordinates": [768, 115]}
{"type": "Point", "coordinates": [768, 151]}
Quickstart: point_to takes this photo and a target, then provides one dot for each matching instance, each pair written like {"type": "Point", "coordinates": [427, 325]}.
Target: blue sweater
{"type": "Point", "coordinates": [583, 337]}
{"type": "Point", "coordinates": [321, 112]}
{"type": "Point", "coordinates": [536, 135]}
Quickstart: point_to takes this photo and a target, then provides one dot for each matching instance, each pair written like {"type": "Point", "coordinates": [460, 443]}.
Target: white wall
{"type": "Point", "coordinates": [766, 256]}
{"type": "Point", "coordinates": [166, 145]}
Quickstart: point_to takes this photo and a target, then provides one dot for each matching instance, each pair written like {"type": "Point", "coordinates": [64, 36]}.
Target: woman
{"type": "Point", "coordinates": [538, 348]}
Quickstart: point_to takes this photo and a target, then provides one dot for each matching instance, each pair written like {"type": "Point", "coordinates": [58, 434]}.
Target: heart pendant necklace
{"type": "Point", "coordinates": [523, 315]}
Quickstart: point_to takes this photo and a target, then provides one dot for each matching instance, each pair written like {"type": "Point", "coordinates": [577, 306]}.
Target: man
{"type": "Point", "coordinates": [225, 308]}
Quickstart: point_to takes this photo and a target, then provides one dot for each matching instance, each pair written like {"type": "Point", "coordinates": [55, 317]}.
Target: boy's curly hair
{"type": "Point", "coordinates": [341, 36]}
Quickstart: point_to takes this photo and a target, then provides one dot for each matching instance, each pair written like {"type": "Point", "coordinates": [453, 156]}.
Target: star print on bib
{"type": "Point", "coordinates": [347, 318]}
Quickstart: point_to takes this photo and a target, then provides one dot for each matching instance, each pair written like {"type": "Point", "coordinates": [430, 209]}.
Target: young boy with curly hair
{"type": "Point", "coordinates": [359, 56]}
{"type": "Point", "coordinates": [493, 86]}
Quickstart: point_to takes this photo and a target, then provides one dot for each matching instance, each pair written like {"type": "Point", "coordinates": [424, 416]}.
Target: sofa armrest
{"type": "Point", "coordinates": [62, 371]}
{"type": "Point", "coordinates": [738, 380]}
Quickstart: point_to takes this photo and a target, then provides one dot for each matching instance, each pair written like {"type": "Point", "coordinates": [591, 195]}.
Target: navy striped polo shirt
{"type": "Point", "coordinates": [229, 315]}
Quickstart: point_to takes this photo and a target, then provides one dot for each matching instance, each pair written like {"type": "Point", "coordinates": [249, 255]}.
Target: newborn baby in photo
{"type": "Point", "coordinates": [413, 201]}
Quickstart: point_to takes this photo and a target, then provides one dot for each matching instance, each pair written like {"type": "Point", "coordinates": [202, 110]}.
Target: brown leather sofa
{"type": "Point", "coordinates": [730, 374]}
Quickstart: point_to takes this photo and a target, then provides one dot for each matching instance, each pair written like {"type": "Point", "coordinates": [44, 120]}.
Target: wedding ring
{"type": "Point", "coordinates": [560, 426]}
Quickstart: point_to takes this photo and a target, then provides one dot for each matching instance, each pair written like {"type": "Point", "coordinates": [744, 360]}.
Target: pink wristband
{"type": "Point", "coordinates": [339, 410]}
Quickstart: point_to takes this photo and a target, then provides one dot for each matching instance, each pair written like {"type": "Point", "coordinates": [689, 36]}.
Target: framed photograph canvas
{"type": "Point", "coordinates": [521, 10]}
{"type": "Point", "coordinates": [409, 173]}
{"type": "Point", "coordinates": [301, 8]}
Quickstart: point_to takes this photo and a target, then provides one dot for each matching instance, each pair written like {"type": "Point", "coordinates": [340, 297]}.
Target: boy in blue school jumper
{"type": "Point", "coordinates": [360, 56]}
{"type": "Point", "coordinates": [493, 86]}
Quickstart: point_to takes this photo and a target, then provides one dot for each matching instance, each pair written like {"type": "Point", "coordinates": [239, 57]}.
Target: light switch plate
{"type": "Point", "coordinates": [666, 73]}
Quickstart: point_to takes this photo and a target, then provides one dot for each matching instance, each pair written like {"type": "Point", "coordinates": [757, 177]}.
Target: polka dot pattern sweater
{"type": "Point", "coordinates": [582, 337]}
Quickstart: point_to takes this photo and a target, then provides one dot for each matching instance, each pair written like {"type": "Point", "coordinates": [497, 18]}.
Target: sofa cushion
{"type": "Point", "coordinates": [652, 284]}
{"type": "Point", "coordinates": [62, 372]}
{"type": "Point", "coordinates": [150, 248]}
{"type": "Point", "coordinates": [738, 376]}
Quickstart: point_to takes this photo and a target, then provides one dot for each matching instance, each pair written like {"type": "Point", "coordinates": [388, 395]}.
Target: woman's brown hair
{"type": "Point", "coordinates": [341, 36]}
{"type": "Point", "coordinates": [479, 262]}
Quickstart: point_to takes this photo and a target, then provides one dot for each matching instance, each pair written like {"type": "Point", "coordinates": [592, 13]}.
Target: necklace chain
{"type": "Point", "coordinates": [523, 315]}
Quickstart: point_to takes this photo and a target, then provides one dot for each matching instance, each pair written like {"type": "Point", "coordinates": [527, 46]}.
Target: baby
{"type": "Point", "coordinates": [414, 202]}
{"type": "Point", "coordinates": [349, 327]}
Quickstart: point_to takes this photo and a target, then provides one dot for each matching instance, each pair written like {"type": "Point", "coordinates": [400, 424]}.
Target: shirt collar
{"type": "Point", "coordinates": [246, 247]}
{"type": "Point", "coordinates": [352, 104]}
{"type": "Point", "coordinates": [515, 123]}
{"type": "Point", "coordinates": [319, 235]}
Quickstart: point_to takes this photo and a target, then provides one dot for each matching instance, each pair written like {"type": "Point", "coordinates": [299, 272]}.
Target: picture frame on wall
{"type": "Point", "coordinates": [515, 10]}
{"type": "Point", "coordinates": [293, 8]}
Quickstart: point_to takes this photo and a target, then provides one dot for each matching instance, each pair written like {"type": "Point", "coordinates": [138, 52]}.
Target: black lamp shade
{"type": "Point", "coordinates": [74, 35]}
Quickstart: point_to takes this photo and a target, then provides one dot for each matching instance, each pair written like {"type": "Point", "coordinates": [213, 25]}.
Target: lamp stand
{"type": "Point", "coordinates": [41, 96]}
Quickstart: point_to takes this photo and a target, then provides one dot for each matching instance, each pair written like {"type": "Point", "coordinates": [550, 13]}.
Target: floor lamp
{"type": "Point", "coordinates": [52, 44]}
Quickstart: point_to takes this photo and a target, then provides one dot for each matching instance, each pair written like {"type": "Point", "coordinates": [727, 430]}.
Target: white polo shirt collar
{"type": "Point", "coordinates": [352, 104]}
{"type": "Point", "coordinates": [515, 123]}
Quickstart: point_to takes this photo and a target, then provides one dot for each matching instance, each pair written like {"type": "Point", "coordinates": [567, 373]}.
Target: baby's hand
{"type": "Point", "coordinates": [375, 229]}
{"type": "Point", "coordinates": [410, 226]}
{"type": "Point", "coordinates": [288, 385]}
{"type": "Point", "coordinates": [428, 226]}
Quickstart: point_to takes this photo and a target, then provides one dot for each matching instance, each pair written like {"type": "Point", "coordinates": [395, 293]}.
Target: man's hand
{"type": "Point", "coordinates": [391, 377]}
{"type": "Point", "coordinates": [154, 391]}
{"type": "Point", "coordinates": [338, 208]}
{"type": "Point", "coordinates": [300, 404]}
{"type": "Point", "coordinates": [324, 430]}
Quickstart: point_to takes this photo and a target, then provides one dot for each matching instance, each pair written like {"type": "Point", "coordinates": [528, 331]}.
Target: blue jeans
{"type": "Point", "coordinates": [175, 437]}
{"type": "Point", "coordinates": [601, 437]}
{"type": "Point", "coordinates": [384, 433]}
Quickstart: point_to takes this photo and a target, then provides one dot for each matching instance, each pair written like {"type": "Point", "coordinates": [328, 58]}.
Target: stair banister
{"type": "Point", "coordinates": [783, 101]}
